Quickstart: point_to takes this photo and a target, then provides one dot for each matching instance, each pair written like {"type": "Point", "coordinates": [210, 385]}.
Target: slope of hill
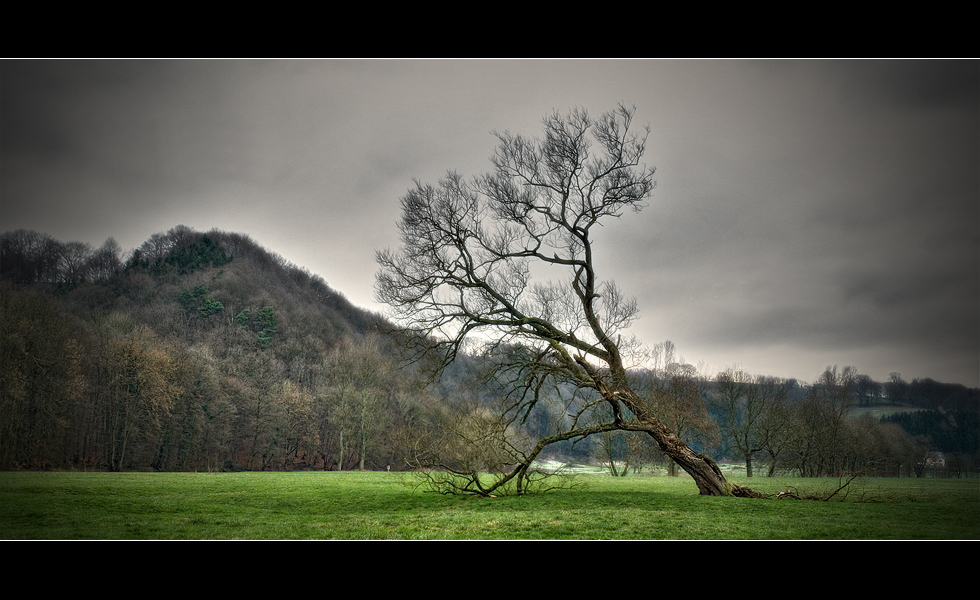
{"type": "Point", "coordinates": [199, 351]}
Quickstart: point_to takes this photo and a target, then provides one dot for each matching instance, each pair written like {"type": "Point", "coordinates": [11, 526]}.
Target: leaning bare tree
{"type": "Point", "coordinates": [463, 276]}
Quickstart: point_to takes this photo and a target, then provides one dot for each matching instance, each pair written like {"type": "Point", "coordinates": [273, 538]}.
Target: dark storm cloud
{"type": "Point", "coordinates": [872, 84]}
{"type": "Point", "coordinates": [836, 213]}
{"type": "Point", "coordinates": [807, 213]}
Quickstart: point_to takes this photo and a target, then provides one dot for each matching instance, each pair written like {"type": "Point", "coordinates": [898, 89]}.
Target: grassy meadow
{"type": "Point", "coordinates": [388, 506]}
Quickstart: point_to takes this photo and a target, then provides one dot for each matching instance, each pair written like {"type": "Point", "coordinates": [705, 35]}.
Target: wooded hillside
{"type": "Point", "coordinates": [205, 351]}
{"type": "Point", "coordinates": [202, 351]}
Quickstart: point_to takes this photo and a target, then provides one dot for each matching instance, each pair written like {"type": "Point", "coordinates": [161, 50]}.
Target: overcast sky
{"type": "Point", "coordinates": [806, 214]}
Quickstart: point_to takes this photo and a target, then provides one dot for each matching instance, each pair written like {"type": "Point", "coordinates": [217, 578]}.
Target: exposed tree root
{"type": "Point", "coordinates": [743, 492]}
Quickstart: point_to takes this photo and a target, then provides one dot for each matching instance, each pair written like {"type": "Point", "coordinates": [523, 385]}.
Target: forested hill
{"type": "Point", "coordinates": [235, 272]}
{"type": "Point", "coordinates": [196, 351]}
{"type": "Point", "coordinates": [204, 351]}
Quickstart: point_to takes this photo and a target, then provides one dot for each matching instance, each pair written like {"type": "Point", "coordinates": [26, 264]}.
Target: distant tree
{"type": "Point", "coordinates": [610, 447]}
{"type": "Point", "coordinates": [896, 389]}
{"type": "Point", "coordinates": [751, 409]}
{"type": "Point", "coordinates": [818, 432]}
{"type": "Point", "coordinates": [262, 321]}
{"type": "Point", "coordinates": [195, 435]}
{"type": "Point", "coordinates": [187, 256]}
{"type": "Point", "coordinates": [355, 379]}
{"type": "Point", "coordinates": [138, 375]}
{"type": "Point", "coordinates": [105, 261]}
{"type": "Point", "coordinates": [152, 252]}
{"type": "Point", "coordinates": [29, 257]}
{"type": "Point", "coordinates": [250, 384]}
{"type": "Point", "coordinates": [42, 379]}
{"type": "Point", "coordinates": [73, 262]}
{"type": "Point", "coordinates": [296, 436]}
{"type": "Point", "coordinates": [463, 275]}
{"type": "Point", "coordinates": [866, 390]}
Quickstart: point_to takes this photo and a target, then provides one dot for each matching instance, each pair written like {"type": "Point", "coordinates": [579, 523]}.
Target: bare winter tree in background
{"type": "Point", "coordinates": [753, 412]}
{"type": "Point", "coordinates": [463, 278]}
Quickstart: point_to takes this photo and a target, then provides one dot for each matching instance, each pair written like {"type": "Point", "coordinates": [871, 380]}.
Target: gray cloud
{"type": "Point", "coordinates": [807, 212]}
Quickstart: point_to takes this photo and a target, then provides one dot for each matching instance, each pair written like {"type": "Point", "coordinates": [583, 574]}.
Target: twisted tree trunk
{"type": "Point", "coordinates": [705, 471]}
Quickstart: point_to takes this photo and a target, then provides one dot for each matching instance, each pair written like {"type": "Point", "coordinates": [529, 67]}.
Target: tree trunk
{"type": "Point", "coordinates": [340, 455]}
{"type": "Point", "coordinates": [705, 472]}
{"type": "Point", "coordinates": [363, 433]}
{"type": "Point", "coordinates": [748, 464]}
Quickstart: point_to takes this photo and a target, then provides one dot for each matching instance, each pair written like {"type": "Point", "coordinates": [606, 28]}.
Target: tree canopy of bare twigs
{"type": "Point", "coordinates": [503, 263]}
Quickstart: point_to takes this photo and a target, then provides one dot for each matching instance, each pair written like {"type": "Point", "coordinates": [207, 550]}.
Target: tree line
{"type": "Point", "coordinates": [826, 429]}
{"type": "Point", "coordinates": [204, 351]}
{"type": "Point", "coordinates": [775, 426]}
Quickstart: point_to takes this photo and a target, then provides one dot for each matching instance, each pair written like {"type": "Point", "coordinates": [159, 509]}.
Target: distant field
{"type": "Point", "coordinates": [879, 411]}
{"type": "Point", "coordinates": [379, 506]}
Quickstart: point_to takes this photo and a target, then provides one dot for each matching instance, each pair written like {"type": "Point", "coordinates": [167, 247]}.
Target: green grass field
{"type": "Point", "coordinates": [387, 506]}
